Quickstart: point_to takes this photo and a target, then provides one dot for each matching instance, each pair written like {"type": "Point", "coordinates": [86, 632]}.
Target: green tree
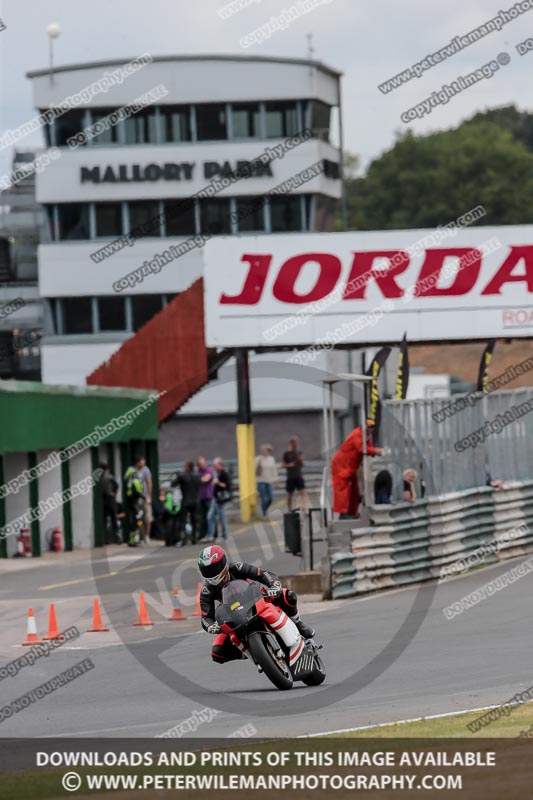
{"type": "Point", "coordinates": [425, 181]}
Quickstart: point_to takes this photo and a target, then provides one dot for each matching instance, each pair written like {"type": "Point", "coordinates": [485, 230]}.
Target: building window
{"type": "Point", "coordinates": [320, 120]}
{"type": "Point", "coordinates": [111, 313]}
{"type": "Point", "coordinates": [281, 119]}
{"type": "Point", "coordinates": [180, 218]}
{"type": "Point", "coordinates": [144, 307]}
{"type": "Point", "coordinates": [50, 211]}
{"type": "Point", "coordinates": [285, 214]}
{"type": "Point", "coordinates": [108, 219]}
{"type": "Point", "coordinates": [77, 315]}
{"type": "Point", "coordinates": [215, 216]}
{"type": "Point", "coordinates": [141, 128]}
{"type": "Point", "coordinates": [68, 124]}
{"type": "Point", "coordinates": [245, 119]}
{"type": "Point", "coordinates": [176, 121]}
{"type": "Point", "coordinates": [326, 211]}
{"type": "Point", "coordinates": [73, 221]}
{"type": "Point", "coordinates": [250, 214]}
{"type": "Point", "coordinates": [145, 213]}
{"type": "Point", "coordinates": [211, 123]}
{"type": "Point", "coordinates": [111, 133]}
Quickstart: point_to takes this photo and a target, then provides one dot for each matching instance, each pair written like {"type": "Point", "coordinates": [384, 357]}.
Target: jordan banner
{"type": "Point", "coordinates": [402, 379]}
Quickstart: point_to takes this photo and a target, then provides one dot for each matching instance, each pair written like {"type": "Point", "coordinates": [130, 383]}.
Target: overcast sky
{"type": "Point", "coordinates": [369, 41]}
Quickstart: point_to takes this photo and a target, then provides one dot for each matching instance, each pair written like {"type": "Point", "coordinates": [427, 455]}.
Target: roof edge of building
{"type": "Point", "coordinates": [244, 58]}
{"type": "Point", "coordinates": [34, 387]}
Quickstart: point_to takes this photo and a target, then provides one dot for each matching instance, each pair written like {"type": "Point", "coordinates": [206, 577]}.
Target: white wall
{"type": "Point", "coordinates": [49, 484]}
{"type": "Point", "coordinates": [82, 506]}
{"type": "Point", "coordinates": [16, 504]}
{"type": "Point", "coordinates": [424, 387]}
{"type": "Point", "coordinates": [198, 80]}
{"type": "Point", "coordinates": [66, 269]}
{"type": "Point", "coordinates": [71, 363]}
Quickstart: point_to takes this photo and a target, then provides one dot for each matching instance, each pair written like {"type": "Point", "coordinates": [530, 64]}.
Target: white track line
{"type": "Point", "coordinates": [398, 722]}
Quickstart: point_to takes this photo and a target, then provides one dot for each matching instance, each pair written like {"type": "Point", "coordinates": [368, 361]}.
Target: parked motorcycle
{"type": "Point", "coordinates": [270, 638]}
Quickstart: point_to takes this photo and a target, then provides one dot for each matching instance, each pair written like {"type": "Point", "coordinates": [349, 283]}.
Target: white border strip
{"type": "Point", "coordinates": [398, 722]}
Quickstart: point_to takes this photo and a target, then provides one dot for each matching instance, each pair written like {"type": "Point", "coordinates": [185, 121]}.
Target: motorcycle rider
{"type": "Point", "coordinates": [217, 570]}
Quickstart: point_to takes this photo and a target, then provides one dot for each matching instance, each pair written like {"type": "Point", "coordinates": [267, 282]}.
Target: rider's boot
{"type": "Point", "coordinates": [305, 630]}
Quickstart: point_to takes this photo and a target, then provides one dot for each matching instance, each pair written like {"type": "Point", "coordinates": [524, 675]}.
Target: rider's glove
{"type": "Point", "coordinates": [275, 590]}
{"type": "Point", "coordinates": [214, 628]}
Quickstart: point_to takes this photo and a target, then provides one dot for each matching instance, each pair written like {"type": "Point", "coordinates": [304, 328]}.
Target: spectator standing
{"type": "Point", "coordinates": [189, 483]}
{"type": "Point", "coordinates": [159, 522]}
{"type": "Point", "coordinates": [109, 489]}
{"type": "Point", "coordinates": [207, 500]}
{"type": "Point", "coordinates": [222, 484]}
{"type": "Point", "coordinates": [266, 475]}
{"type": "Point", "coordinates": [293, 462]}
{"type": "Point", "coordinates": [146, 478]}
{"type": "Point", "coordinates": [409, 488]}
{"type": "Point", "coordinates": [344, 466]}
{"type": "Point", "coordinates": [172, 520]}
{"type": "Point", "coordinates": [134, 498]}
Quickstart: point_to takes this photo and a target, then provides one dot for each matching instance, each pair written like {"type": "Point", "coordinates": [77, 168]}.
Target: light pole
{"type": "Point", "coordinates": [53, 31]}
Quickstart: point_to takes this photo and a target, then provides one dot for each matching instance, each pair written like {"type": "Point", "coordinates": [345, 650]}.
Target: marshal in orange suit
{"type": "Point", "coordinates": [344, 466]}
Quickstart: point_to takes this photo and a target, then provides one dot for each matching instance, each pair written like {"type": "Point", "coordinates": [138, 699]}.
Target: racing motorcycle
{"type": "Point", "coordinates": [262, 630]}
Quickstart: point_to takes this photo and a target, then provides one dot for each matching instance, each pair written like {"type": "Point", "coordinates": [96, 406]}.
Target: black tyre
{"type": "Point", "coordinates": [263, 654]}
{"type": "Point", "coordinates": [318, 674]}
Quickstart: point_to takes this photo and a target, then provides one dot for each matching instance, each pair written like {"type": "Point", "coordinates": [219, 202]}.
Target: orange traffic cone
{"type": "Point", "coordinates": [53, 630]}
{"type": "Point", "coordinates": [32, 637]}
{"type": "Point", "coordinates": [144, 619]}
{"type": "Point", "coordinates": [197, 611]}
{"type": "Point", "coordinates": [97, 619]}
{"type": "Point", "coordinates": [177, 613]}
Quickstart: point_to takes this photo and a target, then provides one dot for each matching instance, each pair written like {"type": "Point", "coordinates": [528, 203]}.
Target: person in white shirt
{"type": "Point", "coordinates": [266, 475]}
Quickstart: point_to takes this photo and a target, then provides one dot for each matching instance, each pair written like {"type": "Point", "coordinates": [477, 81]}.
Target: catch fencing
{"type": "Point", "coordinates": [432, 538]}
{"type": "Point", "coordinates": [454, 449]}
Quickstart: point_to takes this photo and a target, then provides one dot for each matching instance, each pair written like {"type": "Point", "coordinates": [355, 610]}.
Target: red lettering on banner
{"type": "Point", "coordinates": [361, 273]}
{"type": "Point", "coordinates": [329, 274]}
{"type": "Point", "coordinates": [253, 285]}
{"type": "Point", "coordinates": [504, 274]}
{"type": "Point", "coordinates": [431, 269]}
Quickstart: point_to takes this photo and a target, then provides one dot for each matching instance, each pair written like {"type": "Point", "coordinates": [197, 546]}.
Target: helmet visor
{"type": "Point", "coordinates": [222, 577]}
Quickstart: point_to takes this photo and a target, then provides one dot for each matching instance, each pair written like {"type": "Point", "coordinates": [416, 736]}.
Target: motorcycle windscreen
{"type": "Point", "coordinates": [238, 597]}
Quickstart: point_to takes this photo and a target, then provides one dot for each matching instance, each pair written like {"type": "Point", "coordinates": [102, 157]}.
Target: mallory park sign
{"type": "Point", "coordinates": [184, 171]}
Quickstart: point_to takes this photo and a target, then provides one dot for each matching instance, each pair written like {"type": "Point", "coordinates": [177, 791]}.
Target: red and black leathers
{"type": "Point", "coordinates": [223, 650]}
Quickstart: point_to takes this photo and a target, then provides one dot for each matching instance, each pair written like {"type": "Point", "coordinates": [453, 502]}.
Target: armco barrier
{"type": "Point", "coordinates": [411, 543]}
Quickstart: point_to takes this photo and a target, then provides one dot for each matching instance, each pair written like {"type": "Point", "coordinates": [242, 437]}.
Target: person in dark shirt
{"type": "Point", "coordinates": [189, 483]}
{"type": "Point", "coordinates": [409, 488]}
{"type": "Point", "coordinates": [293, 462]}
{"type": "Point", "coordinates": [222, 496]}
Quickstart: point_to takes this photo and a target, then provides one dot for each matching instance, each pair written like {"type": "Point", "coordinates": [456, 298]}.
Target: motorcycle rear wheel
{"type": "Point", "coordinates": [261, 653]}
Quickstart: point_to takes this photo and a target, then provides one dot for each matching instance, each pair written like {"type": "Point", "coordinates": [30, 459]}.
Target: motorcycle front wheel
{"type": "Point", "coordinates": [274, 667]}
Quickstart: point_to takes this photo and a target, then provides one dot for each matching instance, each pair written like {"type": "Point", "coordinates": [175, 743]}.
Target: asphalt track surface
{"type": "Point", "coordinates": [388, 656]}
